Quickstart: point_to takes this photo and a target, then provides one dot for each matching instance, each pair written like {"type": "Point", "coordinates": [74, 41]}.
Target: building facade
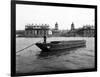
{"type": "Point", "coordinates": [36, 30]}
{"type": "Point", "coordinates": [89, 31]}
{"type": "Point", "coordinates": [56, 31]}
{"type": "Point", "coordinates": [56, 26]}
{"type": "Point", "coordinates": [72, 31]}
{"type": "Point", "coordinates": [85, 31]}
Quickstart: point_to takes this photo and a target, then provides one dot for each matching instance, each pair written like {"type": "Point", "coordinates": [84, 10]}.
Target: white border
{"type": "Point", "coordinates": [5, 19]}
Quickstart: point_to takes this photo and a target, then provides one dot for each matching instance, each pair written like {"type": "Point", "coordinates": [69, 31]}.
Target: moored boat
{"type": "Point", "coordinates": [61, 45]}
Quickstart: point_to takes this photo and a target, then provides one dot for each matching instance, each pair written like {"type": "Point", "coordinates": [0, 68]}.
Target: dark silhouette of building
{"type": "Point", "coordinates": [56, 31]}
{"type": "Point", "coordinates": [72, 32]}
{"type": "Point", "coordinates": [89, 31]}
{"type": "Point", "coordinates": [56, 26]}
{"type": "Point", "coordinates": [85, 31]}
{"type": "Point", "coordinates": [72, 26]}
{"type": "Point", "coordinates": [20, 32]}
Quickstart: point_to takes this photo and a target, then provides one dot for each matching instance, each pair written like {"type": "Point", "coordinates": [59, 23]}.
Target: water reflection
{"type": "Point", "coordinates": [47, 54]}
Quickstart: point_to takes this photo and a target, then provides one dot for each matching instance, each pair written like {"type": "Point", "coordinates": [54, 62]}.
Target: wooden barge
{"type": "Point", "coordinates": [61, 45]}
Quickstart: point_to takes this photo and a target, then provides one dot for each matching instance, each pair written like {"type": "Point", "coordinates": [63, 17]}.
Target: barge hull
{"type": "Point", "coordinates": [60, 46]}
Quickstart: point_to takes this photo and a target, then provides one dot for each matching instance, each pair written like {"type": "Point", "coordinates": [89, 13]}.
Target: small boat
{"type": "Point", "coordinates": [60, 45]}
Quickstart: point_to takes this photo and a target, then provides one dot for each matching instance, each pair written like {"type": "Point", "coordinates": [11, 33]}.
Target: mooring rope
{"type": "Point", "coordinates": [26, 47]}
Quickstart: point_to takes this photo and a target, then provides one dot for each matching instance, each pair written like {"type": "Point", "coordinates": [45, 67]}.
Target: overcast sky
{"type": "Point", "coordinates": [28, 14]}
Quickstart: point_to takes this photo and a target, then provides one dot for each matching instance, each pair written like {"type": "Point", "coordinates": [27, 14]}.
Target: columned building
{"type": "Point", "coordinates": [36, 30]}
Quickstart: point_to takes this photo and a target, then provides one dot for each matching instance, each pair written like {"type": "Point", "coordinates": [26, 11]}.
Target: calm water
{"type": "Point", "coordinates": [30, 60]}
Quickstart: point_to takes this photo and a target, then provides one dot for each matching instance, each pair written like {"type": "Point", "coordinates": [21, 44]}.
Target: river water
{"type": "Point", "coordinates": [30, 60]}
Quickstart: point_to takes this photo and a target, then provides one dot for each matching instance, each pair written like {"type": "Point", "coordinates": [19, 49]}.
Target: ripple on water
{"type": "Point", "coordinates": [35, 61]}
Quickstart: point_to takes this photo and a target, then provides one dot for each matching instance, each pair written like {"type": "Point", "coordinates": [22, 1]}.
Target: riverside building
{"type": "Point", "coordinates": [36, 30]}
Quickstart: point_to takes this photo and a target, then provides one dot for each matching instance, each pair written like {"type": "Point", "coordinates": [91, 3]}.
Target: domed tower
{"type": "Point", "coordinates": [72, 26]}
{"type": "Point", "coordinates": [56, 26]}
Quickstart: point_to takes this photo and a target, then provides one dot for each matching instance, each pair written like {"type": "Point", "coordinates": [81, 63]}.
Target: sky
{"type": "Point", "coordinates": [64, 16]}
